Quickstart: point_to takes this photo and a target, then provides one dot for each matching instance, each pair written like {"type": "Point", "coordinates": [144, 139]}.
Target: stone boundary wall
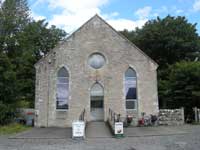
{"type": "Point", "coordinates": [26, 111]}
{"type": "Point", "coordinates": [196, 114]}
{"type": "Point", "coordinates": [171, 116]}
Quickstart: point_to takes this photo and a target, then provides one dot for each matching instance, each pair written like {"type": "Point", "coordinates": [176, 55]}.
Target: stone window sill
{"type": "Point", "coordinates": [62, 110]}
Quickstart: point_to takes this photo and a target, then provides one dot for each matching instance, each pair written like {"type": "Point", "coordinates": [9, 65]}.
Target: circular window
{"type": "Point", "coordinates": [96, 60]}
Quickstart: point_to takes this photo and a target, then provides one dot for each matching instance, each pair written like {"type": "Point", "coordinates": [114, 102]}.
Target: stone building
{"type": "Point", "coordinates": [95, 69]}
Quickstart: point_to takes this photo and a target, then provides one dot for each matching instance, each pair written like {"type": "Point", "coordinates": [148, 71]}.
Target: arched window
{"type": "Point", "coordinates": [130, 89]}
{"type": "Point", "coordinates": [62, 95]}
{"type": "Point", "coordinates": [97, 90]}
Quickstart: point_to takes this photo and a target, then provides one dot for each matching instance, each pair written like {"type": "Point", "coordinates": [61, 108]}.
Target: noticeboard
{"type": "Point", "coordinates": [78, 129]}
{"type": "Point", "coordinates": [119, 128]}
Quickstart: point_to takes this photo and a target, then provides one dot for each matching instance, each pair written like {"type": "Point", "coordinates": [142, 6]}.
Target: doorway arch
{"type": "Point", "coordinates": [97, 102]}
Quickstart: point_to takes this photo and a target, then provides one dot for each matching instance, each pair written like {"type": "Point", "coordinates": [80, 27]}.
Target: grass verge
{"type": "Point", "coordinates": [12, 129]}
{"type": "Point", "coordinates": [195, 123]}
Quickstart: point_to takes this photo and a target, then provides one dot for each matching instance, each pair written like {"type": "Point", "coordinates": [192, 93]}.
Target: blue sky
{"type": "Point", "coordinates": [126, 14]}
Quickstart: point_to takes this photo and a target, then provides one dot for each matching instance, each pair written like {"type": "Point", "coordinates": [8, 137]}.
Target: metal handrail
{"type": "Point", "coordinates": [114, 117]}
{"type": "Point", "coordinates": [82, 115]}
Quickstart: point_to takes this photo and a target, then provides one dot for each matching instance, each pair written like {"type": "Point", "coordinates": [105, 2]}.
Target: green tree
{"type": "Point", "coordinates": [23, 42]}
{"type": "Point", "coordinates": [182, 86]}
{"type": "Point", "coordinates": [35, 41]}
{"type": "Point", "coordinates": [14, 16]}
{"type": "Point", "coordinates": [167, 40]}
{"type": "Point", "coordinates": [7, 76]}
{"type": "Point", "coordinates": [38, 39]}
{"type": "Point", "coordinates": [184, 80]}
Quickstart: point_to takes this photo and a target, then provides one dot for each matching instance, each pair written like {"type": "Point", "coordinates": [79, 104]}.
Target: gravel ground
{"type": "Point", "coordinates": [190, 140]}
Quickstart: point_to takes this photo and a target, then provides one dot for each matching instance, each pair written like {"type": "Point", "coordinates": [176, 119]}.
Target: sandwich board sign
{"type": "Point", "coordinates": [78, 129]}
{"type": "Point", "coordinates": [119, 132]}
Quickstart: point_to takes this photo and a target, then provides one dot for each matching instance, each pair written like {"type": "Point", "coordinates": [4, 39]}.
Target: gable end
{"type": "Point", "coordinates": [121, 35]}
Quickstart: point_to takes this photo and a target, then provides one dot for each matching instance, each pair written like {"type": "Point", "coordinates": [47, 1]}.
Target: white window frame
{"type": "Point", "coordinates": [67, 85]}
{"type": "Point", "coordinates": [126, 83]}
{"type": "Point", "coordinates": [131, 100]}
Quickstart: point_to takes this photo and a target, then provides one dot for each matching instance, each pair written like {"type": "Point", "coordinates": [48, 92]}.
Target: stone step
{"type": "Point", "coordinates": [98, 129]}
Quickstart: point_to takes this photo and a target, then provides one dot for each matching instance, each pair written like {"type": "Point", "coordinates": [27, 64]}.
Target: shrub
{"type": "Point", "coordinates": [181, 88]}
{"type": "Point", "coordinates": [6, 114]}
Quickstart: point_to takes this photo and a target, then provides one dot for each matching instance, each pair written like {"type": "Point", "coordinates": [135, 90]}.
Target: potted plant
{"type": "Point", "coordinates": [129, 119]}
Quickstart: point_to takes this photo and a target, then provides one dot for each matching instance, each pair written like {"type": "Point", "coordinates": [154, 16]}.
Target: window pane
{"type": "Point", "coordinates": [131, 93]}
{"type": "Point", "coordinates": [130, 73]}
{"type": "Point", "coordinates": [127, 79]}
{"type": "Point", "coordinates": [62, 103]}
{"type": "Point", "coordinates": [130, 104]}
{"type": "Point", "coordinates": [96, 98]}
{"type": "Point", "coordinates": [62, 80]}
{"type": "Point", "coordinates": [131, 83]}
{"type": "Point", "coordinates": [130, 88]}
{"type": "Point", "coordinates": [63, 72]}
{"type": "Point", "coordinates": [96, 60]}
{"type": "Point", "coordinates": [97, 90]}
{"type": "Point", "coordinates": [62, 90]}
{"type": "Point", "coordinates": [97, 104]}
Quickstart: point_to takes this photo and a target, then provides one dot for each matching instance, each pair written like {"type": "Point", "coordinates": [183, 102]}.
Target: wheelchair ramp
{"type": "Point", "coordinates": [98, 130]}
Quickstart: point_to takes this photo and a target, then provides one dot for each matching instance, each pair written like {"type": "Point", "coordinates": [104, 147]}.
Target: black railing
{"type": "Point", "coordinates": [82, 115]}
{"type": "Point", "coordinates": [114, 117]}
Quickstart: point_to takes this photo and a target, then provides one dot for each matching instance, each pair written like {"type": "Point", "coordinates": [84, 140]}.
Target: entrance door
{"type": "Point", "coordinates": [97, 102]}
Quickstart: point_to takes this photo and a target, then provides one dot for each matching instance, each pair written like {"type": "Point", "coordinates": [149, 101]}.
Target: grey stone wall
{"type": "Point", "coordinates": [196, 114]}
{"type": "Point", "coordinates": [94, 36]}
{"type": "Point", "coordinates": [171, 116]}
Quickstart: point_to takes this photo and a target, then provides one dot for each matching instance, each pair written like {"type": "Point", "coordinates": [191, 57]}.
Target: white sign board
{"type": "Point", "coordinates": [78, 129]}
{"type": "Point", "coordinates": [119, 128]}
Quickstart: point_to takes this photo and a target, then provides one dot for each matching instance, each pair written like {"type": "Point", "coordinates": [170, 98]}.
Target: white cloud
{"type": "Point", "coordinates": [38, 2]}
{"type": "Point", "coordinates": [143, 13]}
{"type": "Point", "coordinates": [76, 20]}
{"type": "Point", "coordinates": [162, 10]}
{"type": "Point", "coordinates": [75, 12]}
{"type": "Point", "coordinates": [111, 15]}
{"type": "Point", "coordinates": [71, 21]}
{"type": "Point", "coordinates": [176, 10]}
{"type": "Point", "coordinates": [179, 11]}
{"type": "Point", "coordinates": [121, 24]}
{"type": "Point", "coordinates": [73, 6]}
{"type": "Point", "coordinates": [196, 5]}
{"type": "Point", "coordinates": [1, 2]}
{"type": "Point", "coordinates": [165, 10]}
{"type": "Point", "coordinates": [37, 17]}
